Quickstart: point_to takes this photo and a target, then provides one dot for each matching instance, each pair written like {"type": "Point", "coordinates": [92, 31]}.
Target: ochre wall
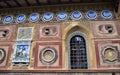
{"type": "Point", "coordinates": [98, 40]}
{"type": "Point", "coordinates": [59, 41]}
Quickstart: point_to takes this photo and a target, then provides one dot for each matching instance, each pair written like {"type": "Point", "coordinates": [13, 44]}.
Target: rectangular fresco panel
{"type": "Point", "coordinates": [25, 33]}
{"type": "Point", "coordinates": [22, 52]}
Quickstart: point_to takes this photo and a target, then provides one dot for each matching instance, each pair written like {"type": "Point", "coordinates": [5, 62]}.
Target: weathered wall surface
{"type": "Point", "coordinates": [58, 74]}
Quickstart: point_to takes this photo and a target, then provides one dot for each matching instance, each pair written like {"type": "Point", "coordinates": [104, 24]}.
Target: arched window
{"type": "Point", "coordinates": [77, 51]}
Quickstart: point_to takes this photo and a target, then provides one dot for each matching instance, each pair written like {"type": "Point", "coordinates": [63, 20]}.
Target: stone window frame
{"type": "Point", "coordinates": [68, 45]}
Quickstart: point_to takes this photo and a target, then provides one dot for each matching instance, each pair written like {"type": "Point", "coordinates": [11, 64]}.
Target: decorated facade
{"type": "Point", "coordinates": [82, 37]}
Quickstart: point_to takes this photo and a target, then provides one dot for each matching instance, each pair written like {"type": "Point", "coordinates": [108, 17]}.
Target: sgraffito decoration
{"type": "Point", "coordinates": [5, 52]}
{"type": "Point", "coordinates": [21, 53]}
{"type": "Point", "coordinates": [107, 54]}
{"type": "Point", "coordinates": [48, 55]}
{"type": "Point", "coordinates": [24, 33]}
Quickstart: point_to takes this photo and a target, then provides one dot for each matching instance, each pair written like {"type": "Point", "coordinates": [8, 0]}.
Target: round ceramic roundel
{"type": "Point", "coordinates": [62, 15]}
{"type": "Point", "coordinates": [106, 14]}
{"type": "Point", "coordinates": [8, 19]}
{"type": "Point", "coordinates": [76, 15]}
{"type": "Point", "coordinates": [34, 17]}
{"type": "Point", "coordinates": [21, 18]}
{"type": "Point", "coordinates": [91, 14]}
{"type": "Point", "coordinates": [48, 55]}
{"type": "Point", "coordinates": [2, 55]}
{"type": "Point", "coordinates": [110, 54]}
{"type": "Point", "coordinates": [48, 16]}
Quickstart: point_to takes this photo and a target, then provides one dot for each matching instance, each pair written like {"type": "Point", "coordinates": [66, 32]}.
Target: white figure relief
{"type": "Point", "coordinates": [3, 33]}
{"type": "Point", "coordinates": [105, 29]}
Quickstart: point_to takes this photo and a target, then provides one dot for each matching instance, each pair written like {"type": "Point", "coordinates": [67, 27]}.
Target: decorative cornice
{"type": "Point", "coordinates": [68, 8]}
{"type": "Point", "coordinates": [54, 8]}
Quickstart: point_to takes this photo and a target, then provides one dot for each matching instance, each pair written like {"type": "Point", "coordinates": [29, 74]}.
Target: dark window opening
{"type": "Point", "coordinates": [78, 56]}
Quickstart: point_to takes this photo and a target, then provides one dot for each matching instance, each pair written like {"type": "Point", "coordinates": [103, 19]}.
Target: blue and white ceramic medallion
{"type": "Point", "coordinates": [34, 17]}
{"type": "Point", "coordinates": [62, 16]}
{"type": "Point", "coordinates": [91, 14]}
{"type": "Point", "coordinates": [48, 16]}
{"type": "Point", "coordinates": [106, 14]}
{"type": "Point", "coordinates": [21, 18]}
{"type": "Point", "coordinates": [76, 15]}
{"type": "Point", "coordinates": [8, 19]}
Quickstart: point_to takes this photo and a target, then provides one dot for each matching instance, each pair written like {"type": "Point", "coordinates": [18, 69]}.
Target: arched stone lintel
{"type": "Point", "coordinates": [77, 26]}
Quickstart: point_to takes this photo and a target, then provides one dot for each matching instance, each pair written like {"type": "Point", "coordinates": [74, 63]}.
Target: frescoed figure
{"type": "Point", "coordinates": [21, 51]}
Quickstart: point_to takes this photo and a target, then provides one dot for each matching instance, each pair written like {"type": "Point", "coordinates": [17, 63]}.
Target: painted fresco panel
{"type": "Point", "coordinates": [21, 53]}
{"type": "Point", "coordinates": [25, 33]}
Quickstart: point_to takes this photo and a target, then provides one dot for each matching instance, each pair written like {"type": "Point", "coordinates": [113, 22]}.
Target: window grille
{"type": "Point", "coordinates": [78, 54]}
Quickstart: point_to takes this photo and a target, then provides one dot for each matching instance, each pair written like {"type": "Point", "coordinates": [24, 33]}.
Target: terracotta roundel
{"type": "Point", "coordinates": [91, 14]}
{"type": "Point", "coordinates": [21, 18]}
{"type": "Point", "coordinates": [8, 19]}
{"type": "Point", "coordinates": [76, 15]}
{"type": "Point", "coordinates": [2, 55]}
{"type": "Point", "coordinates": [48, 55]}
{"type": "Point", "coordinates": [110, 54]}
{"type": "Point", "coordinates": [62, 16]}
{"type": "Point", "coordinates": [34, 17]}
{"type": "Point", "coordinates": [48, 16]}
{"type": "Point", "coordinates": [106, 14]}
